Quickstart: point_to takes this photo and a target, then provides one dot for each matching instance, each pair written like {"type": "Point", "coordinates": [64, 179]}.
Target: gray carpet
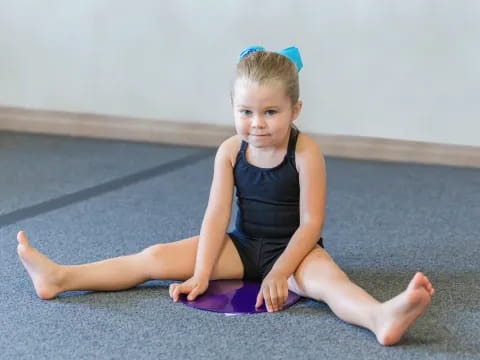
{"type": "Point", "coordinates": [81, 200]}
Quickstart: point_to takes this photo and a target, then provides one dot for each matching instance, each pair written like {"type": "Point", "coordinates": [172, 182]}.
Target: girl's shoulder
{"type": "Point", "coordinates": [306, 143]}
{"type": "Point", "coordinates": [230, 148]}
{"type": "Point", "coordinates": [307, 150]}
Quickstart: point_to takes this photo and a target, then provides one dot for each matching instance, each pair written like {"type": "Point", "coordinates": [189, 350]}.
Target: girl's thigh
{"type": "Point", "coordinates": [176, 260]}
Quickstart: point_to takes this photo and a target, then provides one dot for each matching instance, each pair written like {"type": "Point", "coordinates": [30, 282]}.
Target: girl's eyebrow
{"type": "Point", "coordinates": [266, 107]}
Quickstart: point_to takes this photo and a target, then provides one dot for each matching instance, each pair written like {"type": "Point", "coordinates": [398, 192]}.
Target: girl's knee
{"type": "Point", "coordinates": [319, 267]}
{"type": "Point", "coordinates": [155, 251]}
{"type": "Point", "coordinates": [153, 258]}
{"type": "Point", "coordinates": [330, 271]}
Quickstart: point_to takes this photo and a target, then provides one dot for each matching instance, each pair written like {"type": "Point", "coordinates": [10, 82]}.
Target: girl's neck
{"type": "Point", "coordinates": [270, 154]}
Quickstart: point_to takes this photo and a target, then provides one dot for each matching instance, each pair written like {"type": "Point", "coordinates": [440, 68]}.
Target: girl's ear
{"type": "Point", "coordinates": [297, 108]}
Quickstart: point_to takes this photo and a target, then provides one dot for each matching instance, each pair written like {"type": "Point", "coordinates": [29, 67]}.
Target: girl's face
{"type": "Point", "coordinates": [263, 113]}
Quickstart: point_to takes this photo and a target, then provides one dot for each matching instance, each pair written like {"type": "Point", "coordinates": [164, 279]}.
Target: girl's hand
{"type": "Point", "coordinates": [193, 287]}
{"type": "Point", "coordinates": [274, 290]}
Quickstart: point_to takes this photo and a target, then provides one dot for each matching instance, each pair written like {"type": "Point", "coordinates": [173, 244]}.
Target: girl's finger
{"type": "Point", "coordinates": [268, 300]}
{"type": "Point", "coordinates": [174, 294]}
{"type": "Point", "coordinates": [180, 289]}
{"type": "Point", "coordinates": [284, 296]}
{"type": "Point", "coordinates": [259, 299]}
{"type": "Point", "coordinates": [279, 298]}
{"type": "Point", "coordinates": [171, 289]}
{"type": "Point", "coordinates": [193, 294]}
{"type": "Point", "coordinates": [274, 298]}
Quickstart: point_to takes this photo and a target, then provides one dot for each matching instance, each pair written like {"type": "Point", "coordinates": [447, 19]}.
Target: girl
{"type": "Point", "coordinates": [279, 175]}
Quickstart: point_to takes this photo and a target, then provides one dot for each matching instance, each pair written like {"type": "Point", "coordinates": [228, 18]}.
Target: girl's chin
{"type": "Point", "coordinates": [260, 142]}
{"type": "Point", "coordinates": [258, 139]}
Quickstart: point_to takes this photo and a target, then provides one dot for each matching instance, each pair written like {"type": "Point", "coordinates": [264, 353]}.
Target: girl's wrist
{"type": "Point", "coordinates": [201, 274]}
{"type": "Point", "coordinates": [280, 271]}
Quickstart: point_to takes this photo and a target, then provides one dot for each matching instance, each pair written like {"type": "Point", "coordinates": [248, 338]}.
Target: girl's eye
{"type": "Point", "coordinates": [271, 112]}
{"type": "Point", "coordinates": [245, 112]}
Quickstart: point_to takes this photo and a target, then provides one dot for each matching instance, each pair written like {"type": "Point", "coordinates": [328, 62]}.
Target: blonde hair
{"type": "Point", "coordinates": [264, 66]}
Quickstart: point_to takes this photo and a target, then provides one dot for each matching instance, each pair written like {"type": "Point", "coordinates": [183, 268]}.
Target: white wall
{"type": "Point", "coordinates": [394, 69]}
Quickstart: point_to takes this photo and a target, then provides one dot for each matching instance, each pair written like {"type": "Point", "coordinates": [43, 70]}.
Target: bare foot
{"type": "Point", "coordinates": [400, 312]}
{"type": "Point", "coordinates": [45, 274]}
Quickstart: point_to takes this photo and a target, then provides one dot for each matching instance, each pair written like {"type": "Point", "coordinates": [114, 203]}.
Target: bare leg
{"type": "Point", "coordinates": [50, 278]}
{"type": "Point", "coordinates": [388, 320]}
{"type": "Point", "coordinates": [318, 277]}
{"type": "Point", "coordinates": [172, 261]}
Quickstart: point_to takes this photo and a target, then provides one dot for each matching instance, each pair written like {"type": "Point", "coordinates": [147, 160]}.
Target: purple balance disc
{"type": "Point", "coordinates": [233, 297]}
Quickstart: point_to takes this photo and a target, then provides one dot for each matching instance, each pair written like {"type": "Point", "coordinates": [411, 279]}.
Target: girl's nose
{"type": "Point", "coordinates": [257, 121]}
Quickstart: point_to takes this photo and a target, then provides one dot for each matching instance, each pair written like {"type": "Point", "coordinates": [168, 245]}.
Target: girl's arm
{"type": "Point", "coordinates": [217, 215]}
{"type": "Point", "coordinates": [312, 176]}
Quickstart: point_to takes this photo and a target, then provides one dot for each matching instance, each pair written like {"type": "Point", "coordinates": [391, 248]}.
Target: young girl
{"type": "Point", "coordinates": [279, 175]}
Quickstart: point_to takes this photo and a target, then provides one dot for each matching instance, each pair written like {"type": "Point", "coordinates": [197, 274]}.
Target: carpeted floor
{"type": "Point", "coordinates": [82, 200]}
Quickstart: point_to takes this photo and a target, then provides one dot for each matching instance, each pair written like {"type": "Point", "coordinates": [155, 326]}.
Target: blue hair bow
{"type": "Point", "coordinates": [292, 53]}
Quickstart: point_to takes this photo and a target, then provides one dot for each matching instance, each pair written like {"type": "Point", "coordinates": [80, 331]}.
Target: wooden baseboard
{"type": "Point", "coordinates": [195, 134]}
{"type": "Point", "coordinates": [111, 127]}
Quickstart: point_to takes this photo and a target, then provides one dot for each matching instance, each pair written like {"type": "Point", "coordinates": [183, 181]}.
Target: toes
{"type": "Point", "coordinates": [428, 286]}
{"type": "Point", "coordinates": [422, 279]}
{"type": "Point", "coordinates": [419, 276]}
{"type": "Point", "coordinates": [418, 280]}
{"type": "Point", "coordinates": [22, 238]}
